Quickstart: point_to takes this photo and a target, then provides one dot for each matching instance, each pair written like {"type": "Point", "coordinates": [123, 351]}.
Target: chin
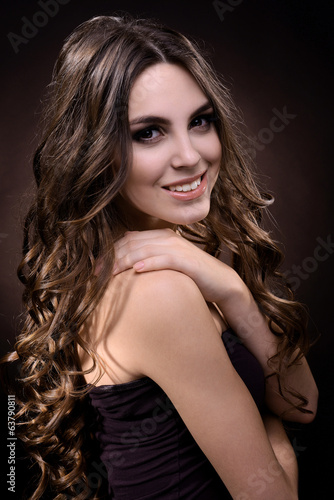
{"type": "Point", "coordinates": [191, 216]}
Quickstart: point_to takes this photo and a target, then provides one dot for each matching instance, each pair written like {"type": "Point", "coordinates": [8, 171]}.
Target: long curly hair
{"type": "Point", "coordinates": [80, 167]}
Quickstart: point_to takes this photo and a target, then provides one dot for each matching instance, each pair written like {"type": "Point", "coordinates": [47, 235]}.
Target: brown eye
{"type": "Point", "coordinates": [198, 122]}
{"type": "Point", "coordinates": [146, 135]}
{"type": "Point", "coordinates": [202, 122]}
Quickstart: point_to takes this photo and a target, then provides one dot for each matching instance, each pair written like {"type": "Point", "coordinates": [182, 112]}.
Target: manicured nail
{"type": "Point", "coordinates": [138, 266]}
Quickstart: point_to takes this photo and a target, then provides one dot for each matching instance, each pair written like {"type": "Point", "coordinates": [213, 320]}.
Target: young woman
{"type": "Point", "coordinates": [142, 247]}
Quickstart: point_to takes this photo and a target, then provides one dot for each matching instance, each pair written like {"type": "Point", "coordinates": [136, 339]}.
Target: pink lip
{"type": "Point", "coordinates": [180, 182]}
{"type": "Point", "coordinates": [190, 195]}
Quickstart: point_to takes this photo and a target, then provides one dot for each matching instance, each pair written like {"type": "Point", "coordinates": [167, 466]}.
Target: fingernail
{"type": "Point", "coordinates": [138, 266]}
{"type": "Point", "coordinates": [115, 269]}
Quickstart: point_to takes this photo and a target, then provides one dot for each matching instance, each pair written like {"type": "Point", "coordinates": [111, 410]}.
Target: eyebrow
{"type": "Point", "coordinates": [164, 121]}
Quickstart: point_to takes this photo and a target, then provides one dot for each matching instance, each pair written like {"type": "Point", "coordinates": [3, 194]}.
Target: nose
{"type": "Point", "coordinates": [184, 153]}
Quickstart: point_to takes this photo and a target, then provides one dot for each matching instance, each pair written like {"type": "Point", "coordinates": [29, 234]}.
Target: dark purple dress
{"type": "Point", "coordinates": [148, 451]}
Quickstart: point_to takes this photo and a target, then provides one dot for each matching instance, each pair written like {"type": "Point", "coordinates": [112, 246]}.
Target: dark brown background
{"type": "Point", "coordinates": [273, 54]}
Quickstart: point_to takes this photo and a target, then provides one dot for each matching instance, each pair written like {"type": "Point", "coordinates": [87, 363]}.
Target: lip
{"type": "Point", "coordinates": [190, 195]}
{"type": "Point", "coordinates": [188, 180]}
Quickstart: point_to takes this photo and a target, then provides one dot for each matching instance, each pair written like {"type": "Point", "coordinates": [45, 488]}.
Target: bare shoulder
{"type": "Point", "coordinates": [164, 294]}
{"type": "Point", "coordinates": [154, 302]}
{"type": "Point", "coordinates": [137, 314]}
{"type": "Point", "coordinates": [164, 330]}
{"type": "Point", "coordinates": [162, 289]}
{"type": "Point", "coordinates": [154, 290]}
{"type": "Point", "coordinates": [144, 317]}
{"type": "Point", "coordinates": [164, 317]}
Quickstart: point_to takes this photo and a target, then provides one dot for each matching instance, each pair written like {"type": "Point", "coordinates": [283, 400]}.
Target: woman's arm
{"type": "Point", "coordinates": [171, 338]}
{"type": "Point", "coordinates": [219, 283]}
{"type": "Point", "coordinates": [282, 448]}
{"type": "Point", "coordinates": [242, 313]}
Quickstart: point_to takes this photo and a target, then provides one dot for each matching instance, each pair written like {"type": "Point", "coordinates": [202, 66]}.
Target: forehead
{"type": "Point", "coordinates": [162, 89]}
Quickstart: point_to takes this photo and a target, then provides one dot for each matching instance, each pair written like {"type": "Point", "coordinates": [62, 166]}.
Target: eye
{"type": "Point", "coordinates": [202, 122]}
{"type": "Point", "coordinates": [148, 134]}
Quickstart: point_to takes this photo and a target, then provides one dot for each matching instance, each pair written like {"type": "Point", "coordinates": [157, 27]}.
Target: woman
{"type": "Point", "coordinates": [141, 186]}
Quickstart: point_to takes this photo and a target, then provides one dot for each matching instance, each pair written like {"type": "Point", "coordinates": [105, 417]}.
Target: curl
{"type": "Point", "coordinates": [80, 168]}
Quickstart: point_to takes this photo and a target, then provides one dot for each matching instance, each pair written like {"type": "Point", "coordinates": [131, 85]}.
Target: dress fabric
{"type": "Point", "coordinates": [147, 450]}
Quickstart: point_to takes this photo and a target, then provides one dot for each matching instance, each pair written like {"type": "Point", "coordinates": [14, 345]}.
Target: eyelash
{"type": "Point", "coordinates": [138, 136]}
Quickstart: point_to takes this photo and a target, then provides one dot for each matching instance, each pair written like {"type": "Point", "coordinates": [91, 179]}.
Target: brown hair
{"type": "Point", "coordinates": [80, 167]}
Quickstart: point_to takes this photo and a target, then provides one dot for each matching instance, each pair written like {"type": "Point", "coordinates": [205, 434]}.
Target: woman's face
{"type": "Point", "coordinates": [176, 150]}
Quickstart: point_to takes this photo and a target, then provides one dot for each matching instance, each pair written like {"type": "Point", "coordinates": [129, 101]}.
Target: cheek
{"type": "Point", "coordinates": [214, 156]}
{"type": "Point", "coordinates": [216, 150]}
{"type": "Point", "coordinates": [210, 147]}
{"type": "Point", "coordinates": [147, 167]}
{"type": "Point", "coordinates": [139, 175]}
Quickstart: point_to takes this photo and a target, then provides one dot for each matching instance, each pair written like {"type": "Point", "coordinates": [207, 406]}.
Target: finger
{"type": "Point", "coordinates": [151, 245]}
{"type": "Point", "coordinates": [126, 258]}
{"type": "Point", "coordinates": [130, 236]}
{"type": "Point", "coordinates": [134, 250]}
{"type": "Point", "coordinates": [156, 263]}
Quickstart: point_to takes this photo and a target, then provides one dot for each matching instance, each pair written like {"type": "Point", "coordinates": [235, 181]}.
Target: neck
{"type": "Point", "coordinates": [134, 220]}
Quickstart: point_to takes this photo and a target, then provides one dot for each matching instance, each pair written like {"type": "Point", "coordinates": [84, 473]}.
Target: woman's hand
{"type": "Point", "coordinates": [161, 249]}
{"type": "Point", "coordinates": [164, 249]}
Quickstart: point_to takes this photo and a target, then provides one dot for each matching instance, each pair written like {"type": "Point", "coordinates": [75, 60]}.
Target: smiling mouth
{"type": "Point", "coordinates": [191, 186]}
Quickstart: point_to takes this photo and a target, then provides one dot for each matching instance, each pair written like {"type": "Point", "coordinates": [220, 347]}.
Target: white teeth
{"type": "Point", "coordinates": [186, 187]}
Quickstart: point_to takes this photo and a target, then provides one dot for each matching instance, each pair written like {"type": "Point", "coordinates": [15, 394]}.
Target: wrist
{"type": "Point", "coordinates": [238, 306]}
{"type": "Point", "coordinates": [236, 292]}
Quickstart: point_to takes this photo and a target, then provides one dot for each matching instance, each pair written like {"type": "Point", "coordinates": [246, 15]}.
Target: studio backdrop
{"type": "Point", "coordinates": [275, 57]}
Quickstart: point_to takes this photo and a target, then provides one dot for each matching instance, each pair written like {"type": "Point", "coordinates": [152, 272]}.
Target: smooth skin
{"type": "Point", "coordinates": [164, 249]}
{"type": "Point", "coordinates": [174, 139]}
{"type": "Point", "coordinates": [158, 324]}
{"type": "Point", "coordinates": [156, 318]}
